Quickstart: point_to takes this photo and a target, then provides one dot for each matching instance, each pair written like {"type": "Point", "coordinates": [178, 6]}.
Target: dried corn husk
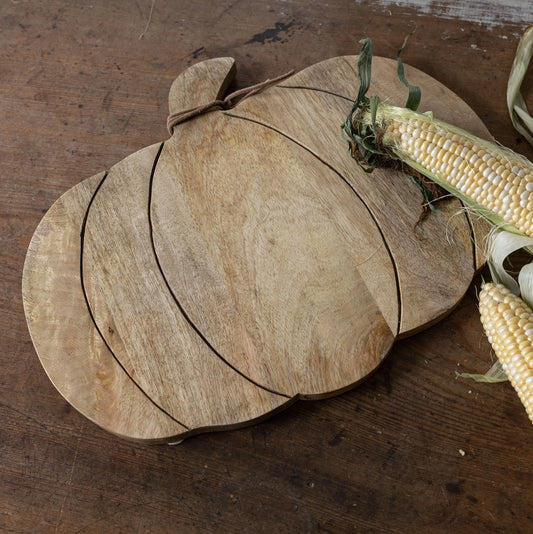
{"type": "Point", "coordinates": [522, 120]}
{"type": "Point", "coordinates": [494, 374]}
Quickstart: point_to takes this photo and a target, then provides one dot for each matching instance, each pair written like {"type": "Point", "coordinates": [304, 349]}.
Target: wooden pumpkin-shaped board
{"type": "Point", "coordinates": [210, 280]}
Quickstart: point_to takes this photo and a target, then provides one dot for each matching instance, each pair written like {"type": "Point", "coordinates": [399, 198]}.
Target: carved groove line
{"type": "Point", "coordinates": [90, 311]}
{"type": "Point", "coordinates": [177, 301]}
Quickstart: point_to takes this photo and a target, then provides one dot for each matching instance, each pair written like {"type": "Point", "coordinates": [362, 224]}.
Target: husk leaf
{"type": "Point", "coordinates": [525, 281]}
{"type": "Point", "coordinates": [414, 92]}
{"type": "Point", "coordinates": [494, 374]}
{"type": "Point", "coordinates": [503, 244]}
{"type": "Point", "coordinates": [516, 105]}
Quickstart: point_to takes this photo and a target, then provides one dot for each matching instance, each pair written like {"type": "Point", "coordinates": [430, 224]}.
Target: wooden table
{"type": "Point", "coordinates": [412, 449]}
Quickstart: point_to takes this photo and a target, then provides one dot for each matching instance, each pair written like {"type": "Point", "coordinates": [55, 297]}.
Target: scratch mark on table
{"type": "Point", "coordinates": [68, 483]}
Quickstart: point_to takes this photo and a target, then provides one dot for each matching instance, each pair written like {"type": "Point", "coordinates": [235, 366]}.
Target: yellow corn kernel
{"type": "Point", "coordinates": [508, 323]}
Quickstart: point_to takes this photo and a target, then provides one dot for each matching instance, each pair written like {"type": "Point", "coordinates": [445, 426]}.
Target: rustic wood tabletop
{"type": "Point", "coordinates": [411, 449]}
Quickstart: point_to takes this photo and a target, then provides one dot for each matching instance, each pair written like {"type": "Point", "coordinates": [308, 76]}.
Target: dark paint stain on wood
{"type": "Point", "coordinates": [198, 52]}
{"type": "Point", "coordinates": [271, 35]}
{"type": "Point", "coordinates": [454, 487]}
{"type": "Point", "coordinates": [337, 439]}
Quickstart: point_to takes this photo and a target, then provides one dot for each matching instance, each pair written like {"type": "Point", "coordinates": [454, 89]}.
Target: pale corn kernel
{"type": "Point", "coordinates": [463, 166]}
{"type": "Point", "coordinates": [446, 155]}
{"type": "Point", "coordinates": [439, 141]}
{"type": "Point", "coordinates": [478, 164]}
{"type": "Point", "coordinates": [499, 168]}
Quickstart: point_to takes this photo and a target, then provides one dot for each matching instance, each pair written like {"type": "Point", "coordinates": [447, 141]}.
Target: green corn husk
{"type": "Point", "coordinates": [501, 246]}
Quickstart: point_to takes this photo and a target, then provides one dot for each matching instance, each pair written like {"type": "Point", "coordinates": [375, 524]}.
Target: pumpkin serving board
{"type": "Point", "coordinates": [211, 280]}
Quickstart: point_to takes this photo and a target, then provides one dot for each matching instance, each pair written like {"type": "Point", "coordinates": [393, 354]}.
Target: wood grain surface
{"type": "Point", "coordinates": [411, 449]}
{"type": "Point", "coordinates": [264, 258]}
{"type": "Point", "coordinates": [261, 245]}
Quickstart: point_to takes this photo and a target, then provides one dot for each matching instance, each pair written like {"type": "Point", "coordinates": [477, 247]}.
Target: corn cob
{"type": "Point", "coordinates": [493, 180]}
{"type": "Point", "coordinates": [508, 323]}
